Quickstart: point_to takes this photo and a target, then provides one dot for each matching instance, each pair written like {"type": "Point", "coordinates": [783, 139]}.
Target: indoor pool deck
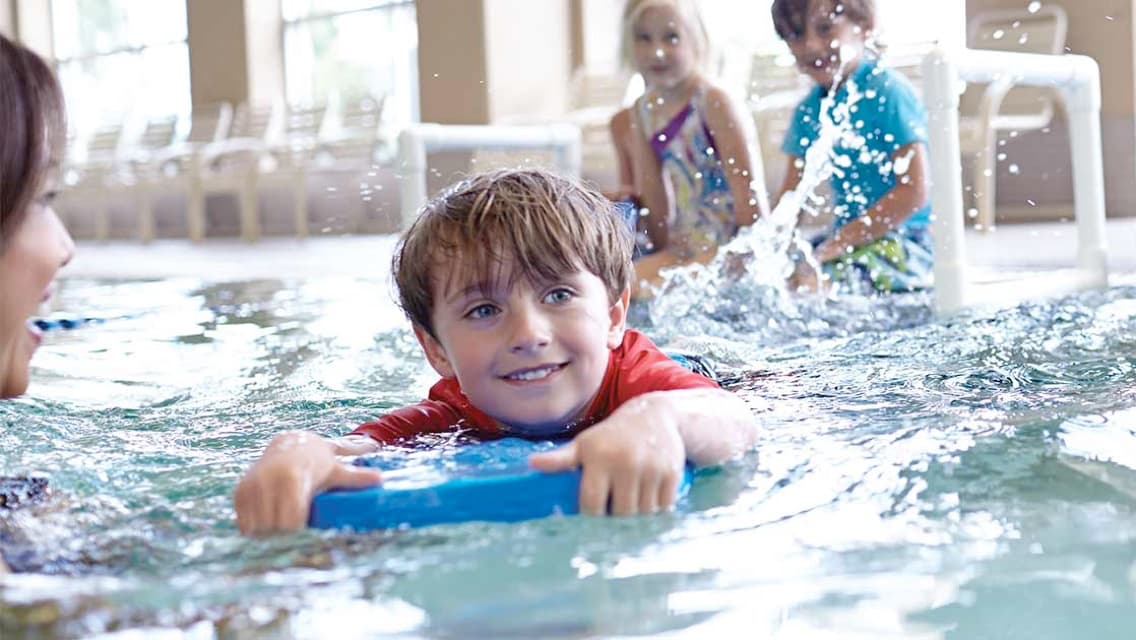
{"type": "Point", "coordinates": [1012, 247]}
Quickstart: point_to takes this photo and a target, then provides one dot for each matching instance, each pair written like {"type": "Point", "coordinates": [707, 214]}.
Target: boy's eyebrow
{"type": "Point", "coordinates": [476, 287]}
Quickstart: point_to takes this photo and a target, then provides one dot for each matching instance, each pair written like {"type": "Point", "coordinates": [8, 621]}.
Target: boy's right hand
{"type": "Point", "coordinates": [276, 492]}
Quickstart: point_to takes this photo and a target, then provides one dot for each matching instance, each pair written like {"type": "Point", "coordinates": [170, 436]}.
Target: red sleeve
{"type": "Point", "coordinates": [645, 368]}
{"type": "Point", "coordinates": [637, 366]}
{"type": "Point", "coordinates": [445, 409]}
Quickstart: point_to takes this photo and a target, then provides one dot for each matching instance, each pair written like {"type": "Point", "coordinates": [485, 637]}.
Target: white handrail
{"type": "Point", "coordinates": [1078, 79]}
{"type": "Point", "coordinates": [417, 140]}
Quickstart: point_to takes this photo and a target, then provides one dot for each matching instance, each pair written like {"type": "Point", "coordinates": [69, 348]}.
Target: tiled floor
{"type": "Point", "coordinates": [1019, 246]}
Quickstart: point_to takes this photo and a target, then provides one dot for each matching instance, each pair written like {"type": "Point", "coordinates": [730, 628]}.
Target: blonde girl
{"type": "Point", "coordinates": [683, 154]}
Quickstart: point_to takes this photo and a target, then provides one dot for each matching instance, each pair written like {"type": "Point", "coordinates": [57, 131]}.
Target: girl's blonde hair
{"type": "Point", "coordinates": [692, 23]}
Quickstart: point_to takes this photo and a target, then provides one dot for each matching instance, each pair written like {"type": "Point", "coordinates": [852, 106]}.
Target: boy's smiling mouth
{"type": "Point", "coordinates": [531, 374]}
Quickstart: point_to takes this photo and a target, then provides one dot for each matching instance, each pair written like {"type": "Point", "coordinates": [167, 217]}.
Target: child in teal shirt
{"type": "Point", "coordinates": [879, 177]}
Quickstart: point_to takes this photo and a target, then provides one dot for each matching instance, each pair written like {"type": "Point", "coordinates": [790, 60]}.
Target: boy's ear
{"type": "Point", "coordinates": [435, 352]}
{"type": "Point", "coordinates": [618, 316]}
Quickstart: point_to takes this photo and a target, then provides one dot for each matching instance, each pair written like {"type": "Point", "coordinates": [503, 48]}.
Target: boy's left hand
{"type": "Point", "coordinates": [632, 461]}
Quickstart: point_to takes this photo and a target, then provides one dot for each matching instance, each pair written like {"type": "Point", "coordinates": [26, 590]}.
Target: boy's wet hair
{"type": "Point", "coordinates": [692, 18]}
{"type": "Point", "coordinates": [31, 146]}
{"type": "Point", "coordinates": [537, 225]}
{"type": "Point", "coordinates": [790, 17]}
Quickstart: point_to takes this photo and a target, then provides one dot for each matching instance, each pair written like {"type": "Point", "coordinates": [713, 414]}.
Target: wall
{"type": "Point", "coordinates": [218, 68]}
{"type": "Point", "coordinates": [8, 18]}
{"type": "Point", "coordinates": [1103, 30]}
{"type": "Point", "coordinates": [452, 61]}
{"type": "Point", "coordinates": [528, 49]}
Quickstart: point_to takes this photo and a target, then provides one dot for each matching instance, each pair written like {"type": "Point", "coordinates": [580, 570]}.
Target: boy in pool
{"type": "Point", "coordinates": [517, 285]}
{"type": "Point", "coordinates": [880, 180]}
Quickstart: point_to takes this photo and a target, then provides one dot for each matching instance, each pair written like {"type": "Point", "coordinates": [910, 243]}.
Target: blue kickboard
{"type": "Point", "coordinates": [486, 481]}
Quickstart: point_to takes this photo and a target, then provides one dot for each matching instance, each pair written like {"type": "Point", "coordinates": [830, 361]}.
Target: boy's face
{"type": "Point", "coordinates": [531, 356]}
{"type": "Point", "coordinates": [664, 52]}
{"type": "Point", "coordinates": [831, 45]}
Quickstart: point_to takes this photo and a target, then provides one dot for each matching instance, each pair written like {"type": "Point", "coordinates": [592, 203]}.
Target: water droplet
{"type": "Point", "coordinates": [1014, 170]}
{"type": "Point", "coordinates": [998, 33]}
{"type": "Point", "coordinates": [1034, 6]}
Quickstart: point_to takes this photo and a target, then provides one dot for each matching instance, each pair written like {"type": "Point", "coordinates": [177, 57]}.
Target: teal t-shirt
{"type": "Point", "coordinates": [885, 116]}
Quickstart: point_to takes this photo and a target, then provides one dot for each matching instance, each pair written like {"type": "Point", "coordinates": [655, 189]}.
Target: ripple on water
{"type": "Point", "coordinates": [928, 471]}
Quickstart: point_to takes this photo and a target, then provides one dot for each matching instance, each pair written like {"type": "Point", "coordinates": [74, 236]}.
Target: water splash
{"type": "Point", "coordinates": [748, 275]}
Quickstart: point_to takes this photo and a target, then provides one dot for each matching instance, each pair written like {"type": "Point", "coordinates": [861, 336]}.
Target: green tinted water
{"type": "Point", "coordinates": [962, 479]}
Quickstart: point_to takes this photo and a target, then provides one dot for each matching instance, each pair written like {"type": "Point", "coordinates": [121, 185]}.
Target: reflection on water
{"type": "Point", "coordinates": [915, 478]}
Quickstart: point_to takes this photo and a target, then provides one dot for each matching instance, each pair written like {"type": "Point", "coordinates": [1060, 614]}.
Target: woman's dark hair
{"type": "Point", "coordinates": [32, 131]}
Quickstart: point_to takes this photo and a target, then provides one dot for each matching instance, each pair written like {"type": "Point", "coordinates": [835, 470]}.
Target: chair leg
{"type": "Point", "coordinates": [301, 196]}
{"type": "Point", "coordinates": [145, 214]}
{"type": "Point", "coordinates": [250, 221]}
{"type": "Point", "coordinates": [985, 178]}
{"type": "Point", "coordinates": [195, 212]}
{"type": "Point", "coordinates": [102, 218]}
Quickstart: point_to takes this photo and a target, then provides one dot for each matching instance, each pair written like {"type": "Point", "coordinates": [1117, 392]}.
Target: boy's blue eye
{"type": "Point", "coordinates": [481, 312]}
{"type": "Point", "coordinates": [558, 296]}
{"type": "Point", "coordinates": [672, 38]}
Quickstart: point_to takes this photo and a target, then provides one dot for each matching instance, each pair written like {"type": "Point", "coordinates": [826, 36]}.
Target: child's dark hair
{"type": "Point", "coordinates": [537, 224]}
{"type": "Point", "coordinates": [790, 17]}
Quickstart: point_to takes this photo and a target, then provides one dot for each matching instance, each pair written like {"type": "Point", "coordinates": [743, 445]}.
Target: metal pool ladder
{"type": "Point", "coordinates": [1078, 79]}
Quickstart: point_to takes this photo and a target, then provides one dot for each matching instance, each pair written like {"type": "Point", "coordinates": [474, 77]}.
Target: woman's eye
{"type": "Point", "coordinates": [49, 197]}
{"type": "Point", "coordinates": [642, 37]}
{"type": "Point", "coordinates": [481, 312]}
{"type": "Point", "coordinates": [558, 296]}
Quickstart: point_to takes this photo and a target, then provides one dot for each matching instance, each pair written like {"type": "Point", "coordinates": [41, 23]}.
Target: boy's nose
{"type": "Point", "coordinates": [529, 330]}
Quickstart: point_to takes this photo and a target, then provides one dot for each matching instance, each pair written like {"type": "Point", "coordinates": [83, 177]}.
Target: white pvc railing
{"type": "Point", "coordinates": [1078, 80]}
{"type": "Point", "coordinates": [417, 140]}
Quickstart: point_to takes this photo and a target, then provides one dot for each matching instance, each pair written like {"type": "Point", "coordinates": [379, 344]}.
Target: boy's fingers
{"type": "Point", "coordinates": [351, 477]}
{"type": "Point", "coordinates": [668, 489]}
{"type": "Point", "coordinates": [563, 458]}
{"type": "Point", "coordinates": [649, 495]}
{"type": "Point", "coordinates": [595, 487]}
{"type": "Point", "coordinates": [625, 496]}
{"type": "Point", "coordinates": [290, 515]}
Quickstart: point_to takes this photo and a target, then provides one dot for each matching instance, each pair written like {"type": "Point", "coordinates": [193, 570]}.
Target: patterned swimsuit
{"type": "Point", "coordinates": [703, 205]}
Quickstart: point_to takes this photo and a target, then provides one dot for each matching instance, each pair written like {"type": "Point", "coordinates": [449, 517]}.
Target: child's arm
{"type": "Point", "coordinates": [276, 492]}
{"type": "Point", "coordinates": [620, 128]}
{"type": "Point", "coordinates": [647, 180]}
{"type": "Point", "coordinates": [909, 195]}
{"type": "Point", "coordinates": [794, 171]}
{"type": "Point", "coordinates": [747, 182]}
{"type": "Point", "coordinates": [634, 459]}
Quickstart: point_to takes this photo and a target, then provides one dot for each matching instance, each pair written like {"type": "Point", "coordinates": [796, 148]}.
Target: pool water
{"type": "Point", "coordinates": [965, 478]}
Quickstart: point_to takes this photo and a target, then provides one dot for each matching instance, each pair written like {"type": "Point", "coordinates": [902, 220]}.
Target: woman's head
{"type": "Point", "coordinates": [827, 37]}
{"type": "Point", "coordinates": [33, 243]}
{"type": "Point", "coordinates": [664, 40]}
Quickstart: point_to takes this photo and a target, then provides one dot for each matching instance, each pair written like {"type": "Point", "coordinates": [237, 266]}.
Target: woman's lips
{"type": "Point", "coordinates": [35, 332]}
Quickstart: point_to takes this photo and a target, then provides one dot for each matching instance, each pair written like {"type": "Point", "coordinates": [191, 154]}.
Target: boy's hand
{"type": "Point", "coordinates": [807, 279]}
{"type": "Point", "coordinates": [276, 492]}
{"type": "Point", "coordinates": [632, 461]}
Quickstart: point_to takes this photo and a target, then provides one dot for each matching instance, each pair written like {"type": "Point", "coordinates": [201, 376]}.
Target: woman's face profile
{"type": "Point", "coordinates": [29, 260]}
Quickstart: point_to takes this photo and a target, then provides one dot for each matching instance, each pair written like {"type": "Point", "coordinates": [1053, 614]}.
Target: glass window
{"type": "Point", "coordinates": [351, 48]}
{"type": "Point", "coordinates": [121, 58]}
